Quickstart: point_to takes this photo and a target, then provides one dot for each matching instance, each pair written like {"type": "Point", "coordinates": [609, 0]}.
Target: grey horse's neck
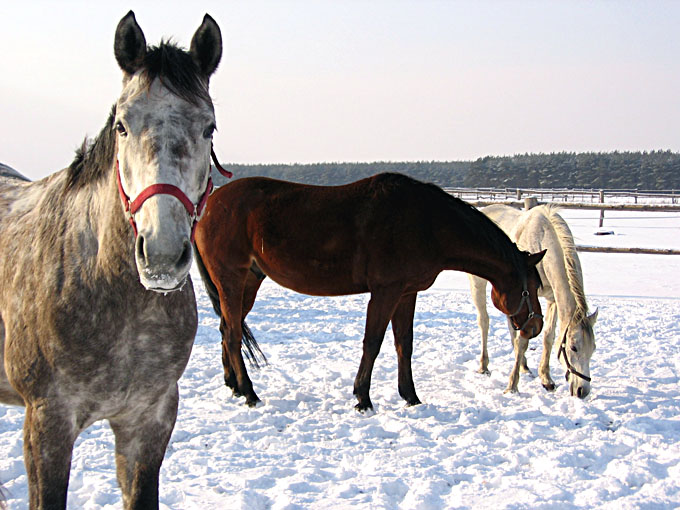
{"type": "Point", "coordinates": [115, 238]}
{"type": "Point", "coordinates": [95, 234]}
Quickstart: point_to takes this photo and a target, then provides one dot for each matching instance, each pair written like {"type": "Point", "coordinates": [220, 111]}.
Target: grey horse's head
{"type": "Point", "coordinates": [164, 121]}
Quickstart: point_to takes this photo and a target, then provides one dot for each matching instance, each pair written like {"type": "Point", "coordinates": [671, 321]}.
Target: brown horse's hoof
{"type": "Point", "coordinates": [363, 407]}
{"type": "Point", "coordinates": [253, 402]}
{"type": "Point", "coordinates": [414, 402]}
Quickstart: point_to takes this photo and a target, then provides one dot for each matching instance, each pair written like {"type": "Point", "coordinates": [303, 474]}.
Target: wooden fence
{"type": "Point", "coordinates": [560, 195]}
{"type": "Point", "coordinates": [625, 200]}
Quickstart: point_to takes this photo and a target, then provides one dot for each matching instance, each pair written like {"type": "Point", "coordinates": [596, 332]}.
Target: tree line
{"type": "Point", "coordinates": [656, 170]}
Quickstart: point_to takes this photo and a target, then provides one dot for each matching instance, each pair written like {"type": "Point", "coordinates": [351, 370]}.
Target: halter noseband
{"type": "Point", "coordinates": [570, 369]}
{"type": "Point", "coordinates": [524, 299]}
{"type": "Point", "coordinates": [195, 211]}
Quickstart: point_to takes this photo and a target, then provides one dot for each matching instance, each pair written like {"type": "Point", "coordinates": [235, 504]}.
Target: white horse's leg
{"type": "Point", "coordinates": [478, 289]}
{"type": "Point", "coordinates": [549, 324]}
{"type": "Point", "coordinates": [520, 346]}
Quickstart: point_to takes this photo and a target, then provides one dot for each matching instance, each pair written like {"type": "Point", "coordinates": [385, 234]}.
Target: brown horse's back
{"type": "Point", "coordinates": [321, 240]}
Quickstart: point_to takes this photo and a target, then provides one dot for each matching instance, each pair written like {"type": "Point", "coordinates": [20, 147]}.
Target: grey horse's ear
{"type": "Point", "coordinates": [593, 317]}
{"type": "Point", "coordinates": [129, 45]}
{"type": "Point", "coordinates": [206, 46]}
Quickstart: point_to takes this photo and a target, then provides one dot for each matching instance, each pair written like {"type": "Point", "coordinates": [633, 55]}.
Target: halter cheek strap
{"type": "Point", "coordinates": [570, 368]}
{"type": "Point", "coordinates": [530, 315]}
{"type": "Point", "coordinates": [195, 211]}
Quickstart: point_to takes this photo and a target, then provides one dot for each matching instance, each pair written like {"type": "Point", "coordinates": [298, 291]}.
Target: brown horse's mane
{"type": "Point", "coordinates": [478, 224]}
{"type": "Point", "coordinates": [178, 72]}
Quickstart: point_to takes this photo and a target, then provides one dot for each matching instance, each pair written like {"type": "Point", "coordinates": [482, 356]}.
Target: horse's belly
{"type": "Point", "coordinates": [320, 288]}
{"type": "Point", "coordinates": [315, 278]}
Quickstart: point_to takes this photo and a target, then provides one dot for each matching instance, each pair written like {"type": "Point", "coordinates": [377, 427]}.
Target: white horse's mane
{"type": "Point", "coordinates": [571, 262]}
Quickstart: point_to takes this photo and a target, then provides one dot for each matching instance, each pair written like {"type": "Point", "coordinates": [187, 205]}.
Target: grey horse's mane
{"type": "Point", "coordinates": [571, 263]}
{"type": "Point", "coordinates": [93, 159]}
{"type": "Point", "coordinates": [177, 71]}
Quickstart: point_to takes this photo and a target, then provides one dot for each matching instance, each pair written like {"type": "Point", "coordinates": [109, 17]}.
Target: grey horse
{"type": "Point", "coordinates": [97, 309]}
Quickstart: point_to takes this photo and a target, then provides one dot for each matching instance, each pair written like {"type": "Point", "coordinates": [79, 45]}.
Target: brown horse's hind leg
{"type": "Point", "coordinates": [229, 375]}
{"type": "Point", "coordinates": [252, 284]}
{"type": "Point", "coordinates": [402, 327]}
{"type": "Point", "coordinates": [380, 309]}
{"type": "Point", "coordinates": [231, 303]}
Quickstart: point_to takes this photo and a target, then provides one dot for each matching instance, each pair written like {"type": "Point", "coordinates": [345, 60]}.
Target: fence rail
{"type": "Point", "coordinates": [558, 195]}
{"type": "Point", "coordinates": [625, 200]}
{"type": "Point", "coordinates": [581, 205]}
{"type": "Point", "coordinates": [647, 251]}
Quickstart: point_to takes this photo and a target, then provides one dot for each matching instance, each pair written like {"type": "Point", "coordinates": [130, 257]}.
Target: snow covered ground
{"type": "Point", "coordinates": [468, 445]}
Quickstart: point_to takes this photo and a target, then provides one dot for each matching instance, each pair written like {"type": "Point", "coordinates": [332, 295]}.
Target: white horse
{"type": "Point", "coordinates": [534, 230]}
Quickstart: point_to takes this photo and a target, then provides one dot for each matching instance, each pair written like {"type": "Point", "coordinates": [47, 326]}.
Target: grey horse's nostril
{"type": "Point", "coordinates": [185, 257]}
{"type": "Point", "coordinates": [579, 392]}
{"type": "Point", "coordinates": [140, 249]}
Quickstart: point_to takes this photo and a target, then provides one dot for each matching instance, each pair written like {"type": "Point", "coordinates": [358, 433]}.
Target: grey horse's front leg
{"type": "Point", "coordinates": [48, 446]}
{"type": "Point", "coordinates": [141, 440]}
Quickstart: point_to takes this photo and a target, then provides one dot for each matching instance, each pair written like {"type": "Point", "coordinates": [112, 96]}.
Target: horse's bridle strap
{"type": "Point", "coordinates": [164, 189]}
{"type": "Point", "coordinates": [530, 315]}
{"type": "Point", "coordinates": [195, 211]}
{"type": "Point", "coordinates": [219, 167]}
{"type": "Point", "coordinates": [570, 368]}
{"type": "Point", "coordinates": [131, 207]}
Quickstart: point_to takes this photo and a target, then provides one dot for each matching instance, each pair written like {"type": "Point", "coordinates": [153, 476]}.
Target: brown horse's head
{"type": "Point", "coordinates": [517, 298]}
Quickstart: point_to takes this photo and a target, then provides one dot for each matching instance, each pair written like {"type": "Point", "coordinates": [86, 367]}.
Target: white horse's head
{"type": "Point", "coordinates": [164, 121]}
{"type": "Point", "coordinates": [575, 352]}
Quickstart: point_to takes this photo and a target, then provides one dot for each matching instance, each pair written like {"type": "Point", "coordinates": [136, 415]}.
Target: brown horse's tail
{"type": "Point", "coordinates": [252, 349]}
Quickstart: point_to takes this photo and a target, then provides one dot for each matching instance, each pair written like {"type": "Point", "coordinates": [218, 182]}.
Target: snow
{"type": "Point", "coordinates": [468, 445]}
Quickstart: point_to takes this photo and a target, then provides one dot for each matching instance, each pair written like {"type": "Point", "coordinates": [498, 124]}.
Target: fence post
{"type": "Point", "coordinates": [601, 210]}
{"type": "Point", "coordinates": [530, 202]}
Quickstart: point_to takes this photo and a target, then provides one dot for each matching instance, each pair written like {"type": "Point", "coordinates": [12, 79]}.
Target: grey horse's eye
{"type": "Point", "coordinates": [208, 132]}
{"type": "Point", "coordinates": [573, 348]}
{"type": "Point", "coordinates": [121, 129]}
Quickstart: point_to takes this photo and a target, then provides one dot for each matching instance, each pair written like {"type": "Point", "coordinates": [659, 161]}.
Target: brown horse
{"type": "Point", "coordinates": [389, 235]}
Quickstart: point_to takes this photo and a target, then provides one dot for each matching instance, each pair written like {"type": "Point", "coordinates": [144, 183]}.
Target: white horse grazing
{"type": "Point", "coordinates": [534, 230]}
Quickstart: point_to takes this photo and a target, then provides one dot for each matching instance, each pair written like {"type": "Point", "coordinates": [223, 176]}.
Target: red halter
{"type": "Point", "coordinates": [195, 211]}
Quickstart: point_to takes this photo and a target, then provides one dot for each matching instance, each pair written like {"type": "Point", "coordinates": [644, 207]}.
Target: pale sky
{"type": "Point", "coordinates": [315, 80]}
